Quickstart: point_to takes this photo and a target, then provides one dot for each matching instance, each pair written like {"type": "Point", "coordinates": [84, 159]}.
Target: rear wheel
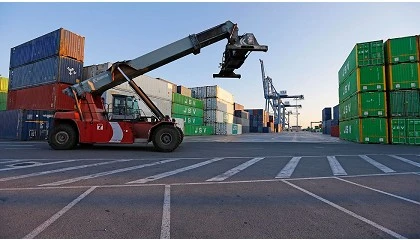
{"type": "Point", "coordinates": [63, 137]}
{"type": "Point", "coordinates": [166, 138]}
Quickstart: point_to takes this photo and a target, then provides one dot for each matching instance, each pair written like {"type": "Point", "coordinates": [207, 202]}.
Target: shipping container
{"type": "Point", "coordinates": [153, 87]}
{"type": "Point", "coordinates": [220, 93]}
{"type": "Point", "coordinates": [400, 50]}
{"type": "Point", "coordinates": [93, 70]}
{"type": "Point", "coordinates": [244, 122]}
{"type": "Point", "coordinates": [405, 130]}
{"type": "Point", "coordinates": [237, 106]}
{"type": "Point", "coordinates": [187, 101]}
{"type": "Point", "coordinates": [218, 104]}
{"type": "Point", "coordinates": [180, 123]}
{"type": "Point", "coordinates": [363, 54]}
{"type": "Point", "coordinates": [335, 131]}
{"type": "Point", "coordinates": [404, 103]}
{"type": "Point", "coordinates": [60, 42]}
{"type": "Point", "coordinates": [189, 120]}
{"type": "Point", "coordinates": [198, 92]}
{"type": "Point", "coordinates": [47, 71]}
{"type": "Point", "coordinates": [365, 104]}
{"type": "Point", "coordinates": [241, 114]}
{"type": "Point", "coordinates": [211, 116]}
{"type": "Point", "coordinates": [191, 130]}
{"type": "Point", "coordinates": [365, 130]}
{"type": "Point", "coordinates": [326, 114]}
{"type": "Point", "coordinates": [336, 112]}
{"type": "Point", "coordinates": [183, 91]}
{"type": "Point", "coordinates": [403, 76]}
{"type": "Point", "coordinates": [45, 97]}
{"type": "Point", "coordinates": [3, 101]}
{"type": "Point", "coordinates": [25, 125]}
{"type": "Point", "coordinates": [364, 79]}
{"type": "Point", "coordinates": [326, 127]}
{"type": "Point", "coordinates": [186, 110]}
{"type": "Point", "coordinates": [226, 128]}
{"type": "Point", "coordinates": [4, 84]}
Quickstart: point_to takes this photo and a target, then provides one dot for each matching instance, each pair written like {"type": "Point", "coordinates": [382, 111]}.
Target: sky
{"type": "Point", "coordinates": [307, 42]}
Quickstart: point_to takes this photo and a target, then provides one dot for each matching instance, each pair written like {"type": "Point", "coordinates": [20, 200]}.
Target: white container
{"type": "Point", "coordinates": [218, 92]}
{"type": "Point", "coordinates": [233, 129]}
{"type": "Point", "coordinates": [93, 70]}
{"type": "Point", "coordinates": [153, 87]}
{"type": "Point", "coordinates": [198, 92]}
{"type": "Point", "coordinates": [213, 116]}
{"type": "Point", "coordinates": [218, 104]}
{"type": "Point", "coordinates": [180, 123]}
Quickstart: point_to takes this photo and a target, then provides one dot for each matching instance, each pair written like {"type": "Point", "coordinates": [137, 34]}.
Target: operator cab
{"type": "Point", "coordinates": [124, 108]}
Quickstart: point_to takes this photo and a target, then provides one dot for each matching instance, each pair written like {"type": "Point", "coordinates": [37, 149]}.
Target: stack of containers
{"type": "Point", "coordinates": [241, 117]}
{"type": "Point", "coordinates": [270, 123]}
{"type": "Point", "coordinates": [403, 82]}
{"type": "Point", "coordinates": [93, 70]}
{"type": "Point", "coordinates": [4, 82]}
{"type": "Point", "coordinates": [335, 130]}
{"type": "Point", "coordinates": [218, 109]}
{"type": "Point", "coordinates": [362, 96]}
{"type": "Point", "coordinates": [326, 120]}
{"type": "Point", "coordinates": [190, 111]}
{"type": "Point", "coordinates": [258, 119]}
{"type": "Point", "coordinates": [39, 70]}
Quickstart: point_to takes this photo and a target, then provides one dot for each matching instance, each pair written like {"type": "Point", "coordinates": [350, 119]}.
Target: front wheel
{"type": "Point", "coordinates": [63, 137]}
{"type": "Point", "coordinates": [166, 138]}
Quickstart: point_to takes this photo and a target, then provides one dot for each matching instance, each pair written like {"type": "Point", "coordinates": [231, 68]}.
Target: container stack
{"type": "Point", "coordinates": [258, 119]}
{"type": "Point", "coordinates": [362, 95]}
{"type": "Point", "coordinates": [335, 129]}
{"type": "Point", "coordinates": [4, 82]}
{"type": "Point", "coordinates": [326, 120]}
{"type": "Point", "coordinates": [403, 81]}
{"type": "Point", "coordinates": [218, 109]}
{"type": "Point", "coordinates": [39, 70]}
{"type": "Point", "coordinates": [93, 70]}
{"type": "Point", "coordinates": [241, 117]}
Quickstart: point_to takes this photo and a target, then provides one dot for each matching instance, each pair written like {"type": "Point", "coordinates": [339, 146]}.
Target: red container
{"type": "Point", "coordinates": [335, 131]}
{"type": "Point", "coordinates": [237, 106]}
{"type": "Point", "coordinates": [45, 97]}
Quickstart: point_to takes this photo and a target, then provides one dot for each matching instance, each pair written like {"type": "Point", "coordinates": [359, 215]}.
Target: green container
{"type": "Point", "coordinates": [363, 54]}
{"type": "Point", "coordinates": [3, 97]}
{"type": "Point", "coordinates": [365, 130]}
{"type": "Point", "coordinates": [190, 120]}
{"type": "Point", "coordinates": [366, 104]}
{"type": "Point", "coordinates": [187, 101]}
{"type": "Point", "coordinates": [403, 76]}
{"type": "Point", "coordinates": [371, 78]}
{"type": "Point", "coordinates": [186, 110]}
{"type": "Point", "coordinates": [404, 103]}
{"type": "Point", "coordinates": [400, 50]}
{"type": "Point", "coordinates": [190, 130]}
{"type": "Point", "coordinates": [3, 106]}
{"type": "Point", "coordinates": [405, 130]}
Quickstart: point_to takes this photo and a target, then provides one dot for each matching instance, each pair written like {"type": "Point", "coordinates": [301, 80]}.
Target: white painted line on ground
{"type": "Point", "coordinates": [60, 170]}
{"type": "Point", "coordinates": [381, 167]}
{"type": "Point", "coordinates": [22, 148]}
{"type": "Point", "coordinates": [290, 167]}
{"type": "Point", "coordinates": [10, 145]}
{"type": "Point", "coordinates": [101, 174]}
{"type": "Point", "coordinates": [336, 167]}
{"type": "Point", "coordinates": [14, 161]}
{"type": "Point", "coordinates": [382, 228]}
{"type": "Point", "coordinates": [379, 191]}
{"type": "Point", "coordinates": [406, 160]}
{"type": "Point", "coordinates": [234, 170]}
{"type": "Point", "coordinates": [165, 232]}
{"type": "Point", "coordinates": [170, 173]}
{"type": "Point", "coordinates": [37, 165]}
{"type": "Point", "coordinates": [56, 216]}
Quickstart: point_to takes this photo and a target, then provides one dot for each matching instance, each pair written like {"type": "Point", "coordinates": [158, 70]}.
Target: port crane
{"type": "Point", "coordinates": [89, 123]}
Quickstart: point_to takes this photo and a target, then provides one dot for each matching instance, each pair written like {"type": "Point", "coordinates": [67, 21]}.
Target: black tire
{"type": "Point", "coordinates": [166, 138]}
{"type": "Point", "coordinates": [63, 137]}
{"type": "Point", "coordinates": [182, 135]}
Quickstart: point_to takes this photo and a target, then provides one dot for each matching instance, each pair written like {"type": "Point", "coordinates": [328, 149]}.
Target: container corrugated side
{"type": "Point", "coordinates": [189, 119]}
{"type": "Point", "coordinates": [11, 124]}
{"type": "Point", "coordinates": [237, 106]}
{"type": "Point", "coordinates": [47, 71]}
{"type": "Point", "coordinates": [365, 130]}
{"type": "Point", "coordinates": [60, 42]}
{"type": "Point", "coordinates": [413, 131]}
{"type": "Point", "coordinates": [186, 110]}
{"type": "Point", "coordinates": [46, 97]}
{"type": "Point", "coordinates": [218, 92]}
{"type": "Point", "coordinates": [404, 103]}
{"type": "Point", "coordinates": [336, 112]}
{"type": "Point", "coordinates": [191, 130]}
{"type": "Point", "coordinates": [370, 78]}
{"type": "Point", "coordinates": [4, 84]}
{"type": "Point", "coordinates": [218, 104]}
{"type": "Point", "coordinates": [93, 70]}
{"type": "Point", "coordinates": [326, 114]}
{"type": "Point", "coordinates": [3, 101]}
{"type": "Point", "coordinates": [153, 87]}
{"type": "Point", "coordinates": [400, 50]}
{"type": "Point", "coordinates": [403, 76]}
{"type": "Point", "coordinates": [363, 54]}
{"type": "Point", "coordinates": [187, 101]}
{"type": "Point", "coordinates": [365, 104]}
{"type": "Point", "coordinates": [213, 116]}
{"type": "Point", "coordinates": [398, 130]}
{"type": "Point", "coordinates": [183, 90]}
{"type": "Point", "coordinates": [198, 92]}
{"type": "Point", "coordinates": [164, 105]}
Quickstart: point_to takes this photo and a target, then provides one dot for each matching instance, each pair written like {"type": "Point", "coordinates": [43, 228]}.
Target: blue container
{"type": "Point", "coordinates": [326, 127]}
{"type": "Point", "coordinates": [50, 70]}
{"type": "Point", "coordinates": [25, 125]}
{"type": "Point", "coordinates": [334, 122]}
{"type": "Point", "coordinates": [60, 42]}
{"type": "Point", "coordinates": [336, 112]}
{"type": "Point", "coordinates": [265, 130]}
{"type": "Point", "coordinates": [326, 114]}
